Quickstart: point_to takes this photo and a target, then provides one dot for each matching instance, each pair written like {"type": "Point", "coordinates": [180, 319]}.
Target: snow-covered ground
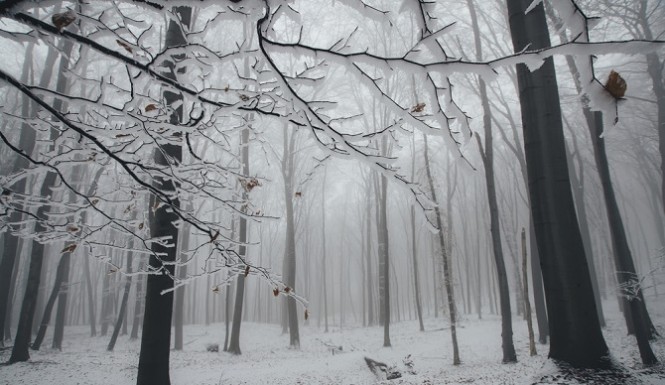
{"type": "Point", "coordinates": [266, 358]}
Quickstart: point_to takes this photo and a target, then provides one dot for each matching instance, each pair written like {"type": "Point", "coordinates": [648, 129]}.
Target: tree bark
{"type": "Point", "coordinates": [575, 332]}
{"type": "Point", "coordinates": [488, 161]}
{"type": "Point", "coordinates": [447, 268]}
{"type": "Point", "coordinates": [46, 316]}
{"type": "Point", "coordinates": [527, 304]}
{"type": "Point", "coordinates": [123, 304]}
{"type": "Point", "coordinates": [234, 342]}
{"type": "Point", "coordinates": [156, 336]}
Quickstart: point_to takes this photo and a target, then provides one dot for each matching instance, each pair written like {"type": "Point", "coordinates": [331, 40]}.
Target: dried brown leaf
{"type": "Point", "coordinates": [616, 85]}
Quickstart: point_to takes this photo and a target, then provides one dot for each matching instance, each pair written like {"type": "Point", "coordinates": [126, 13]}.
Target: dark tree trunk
{"type": "Point", "coordinates": [123, 304]}
{"type": "Point", "coordinates": [575, 332]}
{"type": "Point", "coordinates": [10, 247]}
{"type": "Point", "coordinates": [538, 293]}
{"type": "Point", "coordinates": [57, 286]}
{"type": "Point", "coordinates": [138, 304]}
{"type": "Point", "coordinates": [636, 313]}
{"type": "Point", "coordinates": [60, 313]}
{"type": "Point", "coordinates": [324, 270]}
{"type": "Point", "coordinates": [156, 336]}
{"type": "Point", "coordinates": [23, 333]}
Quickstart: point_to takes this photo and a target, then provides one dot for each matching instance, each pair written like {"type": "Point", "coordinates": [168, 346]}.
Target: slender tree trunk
{"type": "Point", "coordinates": [138, 304]}
{"type": "Point", "coordinates": [23, 332]}
{"type": "Point", "coordinates": [384, 255]}
{"type": "Point", "coordinates": [288, 169]}
{"type": "Point", "coordinates": [123, 304]}
{"type": "Point", "coordinates": [91, 299]}
{"type": "Point", "coordinates": [575, 332]}
{"type": "Point", "coordinates": [324, 269]}
{"type": "Point", "coordinates": [180, 292]}
{"type": "Point", "coordinates": [447, 268]}
{"type": "Point", "coordinates": [46, 316]}
{"type": "Point", "coordinates": [234, 342]}
{"type": "Point", "coordinates": [11, 251]}
{"type": "Point", "coordinates": [538, 293]}
{"type": "Point", "coordinates": [156, 336]}
{"type": "Point", "coordinates": [416, 281]}
{"type": "Point", "coordinates": [527, 304]}
{"type": "Point", "coordinates": [495, 231]}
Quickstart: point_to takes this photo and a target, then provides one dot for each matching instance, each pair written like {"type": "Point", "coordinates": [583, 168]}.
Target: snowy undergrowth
{"type": "Point", "coordinates": [266, 358]}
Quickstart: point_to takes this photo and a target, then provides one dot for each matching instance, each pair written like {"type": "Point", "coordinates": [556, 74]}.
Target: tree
{"type": "Point", "coordinates": [156, 337]}
{"type": "Point", "coordinates": [447, 268]}
{"type": "Point", "coordinates": [575, 335]}
{"type": "Point", "coordinates": [487, 155]}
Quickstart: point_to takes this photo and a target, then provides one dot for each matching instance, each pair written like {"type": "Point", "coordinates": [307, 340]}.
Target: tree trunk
{"type": "Point", "coordinates": [180, 292]}
{"type": "Point", "coordinates": [156, 336]}
{"type": "Point", "coordinates": [527, 304]}
{"type": "Point", "coordinates": [288, 169]}
{"type": "Point", "coordinates": [138, 304]}
{"type": "Point", "coordinates": [46, 316]}
{"type": "Point", "coordinates": [447, 268]}
{"type": "Point", "coordinates": [91, 297]}
{"type": "Point", "coordinates": [416, 281]}
{"type": "Point", "coordinates": [234, 342]}
{"type": "Point", "coordinates": [538, 293]}
{"type": "Point", "coordinates": [324, 270]}
{"type": "Point", "coordinates": [123, 304]}
{"type": "Point", "coordinates": [384, 255]}
{"type": "Point", "coordinates": [575, 332]}
{"type": "Point", "coordinates": [488, 160]}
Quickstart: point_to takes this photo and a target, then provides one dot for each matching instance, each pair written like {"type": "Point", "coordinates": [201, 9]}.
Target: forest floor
{"type": "Point", "coordinates": [266, 358]}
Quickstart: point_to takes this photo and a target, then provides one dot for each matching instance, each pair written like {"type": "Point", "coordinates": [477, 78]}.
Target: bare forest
{"type": "Point", "coordinates": [332, 192]}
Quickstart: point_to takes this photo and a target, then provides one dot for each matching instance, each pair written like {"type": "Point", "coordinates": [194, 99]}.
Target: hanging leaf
{"type": "Point", "coordinates": [94, 201]}
{"type": "Point", "coordinates": [226, 89]}
{"type": "Point", "coordinates": [61, 20]}
{"type": "Point", "coordinates": [113, 270]}
{"type": "Point", "coordinates": [141, 226]}
{"type": "Point", "coordinates": [124, 45]}
{"type": "Point", "coordinates": [275, 292]}
{"type": "Point", "coordinates": [72, 228]}
{"type": "Point", "coordinates": [246, 271]}
{"type": "Point", "coordinates": [215, 289]}
{"type": "Point", "coordinates": [306, 315]}
{"type": "Point", "coordinates": [243, 97]}
{"type": "Point", "coordinates": [616, 85]}
{"type": "Point", "coordinates": [298, 194]}
{"type": "Point", "coordinates": [69, 248]}
{"type": "Point", "coordinates": [418, 107]}
{"type": "Point", "coordinates": [150, 107]}
{"type": "Point", "coordinates": [287, 290]}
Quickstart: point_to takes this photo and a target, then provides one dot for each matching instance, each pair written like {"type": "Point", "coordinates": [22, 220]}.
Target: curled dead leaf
{"type": "Point", "coordinates": [287, 290]}
{"type": "Point", "coordinates": [243, 97]}
{"type": "Point", "coordinates": [141, 226]}
{"type": "Point", "coordinates": [69, 249]}
{"type": "Point", "coordinates": [215, 289]}
{"type": "Point", "coordinates": [275, 292]}
{"type": "Point", "coordinates": [150, 107]}
{"type": "Point", "coordinates": [616, 85]}
{"type": "Point", "coordinates": [124, 45]}
{"type": "Point", "coordinates": [246, 271]}
{"type": "Point", "coordinates": [298, 194]}
{"type": "Point", "coordinates": [61, 20]}
{"type": "Point", "coordinates": [72, 228]}
{"type": "Point", "coordinates": [418, 107]}
{"type": "Point", "coordinates": [306, 315]}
